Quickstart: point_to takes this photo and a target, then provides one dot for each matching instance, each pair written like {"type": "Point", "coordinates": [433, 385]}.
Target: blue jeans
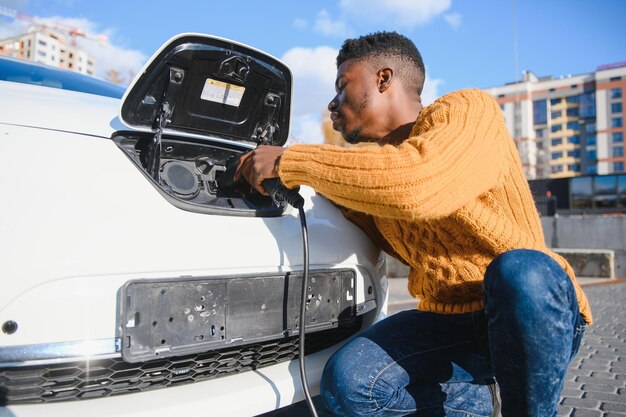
{"type": "Point", "coordinates": [428, 364]}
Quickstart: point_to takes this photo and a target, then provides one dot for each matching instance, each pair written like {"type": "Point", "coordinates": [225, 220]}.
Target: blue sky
{"type": "Point", "coordinates": [464, 43]}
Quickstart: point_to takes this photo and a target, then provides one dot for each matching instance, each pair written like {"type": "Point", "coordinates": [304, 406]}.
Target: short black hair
{"type": "Point", "coordinates": [387, 46]}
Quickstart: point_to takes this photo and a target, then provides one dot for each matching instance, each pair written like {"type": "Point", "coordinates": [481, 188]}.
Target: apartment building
{"type": "Point", "coordinates": [49, 47]}
{"type": "Point", "coordinates": [567, 126]}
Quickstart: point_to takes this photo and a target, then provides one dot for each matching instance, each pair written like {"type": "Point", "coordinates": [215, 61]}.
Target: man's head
{"type": "Point", "coordinates": [379, 81]}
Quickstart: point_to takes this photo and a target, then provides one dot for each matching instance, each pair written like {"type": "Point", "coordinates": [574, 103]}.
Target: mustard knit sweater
{"type": "Point", "coordinates": [446, 201]}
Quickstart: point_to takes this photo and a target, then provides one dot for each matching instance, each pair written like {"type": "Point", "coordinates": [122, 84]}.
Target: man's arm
{"type": "Point", "coordinates": [455, 153]}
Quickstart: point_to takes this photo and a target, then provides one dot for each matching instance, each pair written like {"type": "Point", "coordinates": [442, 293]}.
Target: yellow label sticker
{"type": "Point", "coordinates": [221, 92]}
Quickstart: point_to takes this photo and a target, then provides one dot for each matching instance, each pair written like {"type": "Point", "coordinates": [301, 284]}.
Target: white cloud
{"type": "Point", "coordinates": [108, 55]}
{"type": "Point", "coordinates": [13, 28]}
{"type": "Point", "coordinates": [314, 74]}
{"type": "Point", "coordinates": [324, 25]}
{"type": "Point", "coordinates": [431, 90]}
{"type": "Point", "coordinates": [306, 128]}
{"type": "Point", "coordinates": [317, 63]}
{"type": "Point", "coordinates": [404, 13]}
{"type": "Point", "coordinates": [453, 19]}
{"type": "Point", "coordinates": [300, 23]}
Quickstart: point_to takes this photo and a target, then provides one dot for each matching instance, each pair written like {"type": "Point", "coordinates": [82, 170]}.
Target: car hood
{"type": "Point", "coordinates": [56, 109]}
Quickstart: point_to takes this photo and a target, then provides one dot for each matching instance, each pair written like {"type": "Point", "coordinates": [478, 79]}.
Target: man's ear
{"type": "Point", "coordinates": [385, 78]}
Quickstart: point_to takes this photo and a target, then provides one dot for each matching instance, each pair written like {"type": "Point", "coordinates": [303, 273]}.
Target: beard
{"type": "Point", "coordinates": [353, 137]}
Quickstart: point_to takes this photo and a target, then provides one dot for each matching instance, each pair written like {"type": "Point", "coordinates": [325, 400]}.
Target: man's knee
{"type": "Point", "coordinates": [343, 386]}
{"type": "Point", "coordinates": [522, 272]}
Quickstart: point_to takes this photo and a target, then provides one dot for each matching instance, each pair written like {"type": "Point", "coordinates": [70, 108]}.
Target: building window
{"type": "Point", "coordinates": [41, 53]}
{"type": "Point", "coordinates": [574, 167]}
{"type": "Point", "coordinates": [618, 167]}
{"type": "Point", "coordinates": [581, 190]}
{"type": "Point", "coordinates": [556, 128]}
{"type": "Point", "coordinates": [539, 133]}
{"type": "Point", "coordinates": [574, 139]}
{"type": "Point", "coordinates": [557, 168]}
{"type": "Point", "coordinates": [556, 142]}
{"type": "Point", "coordinates": [616, 107]}
{"type": "Point", "coordinates": [588, 105]}
{"type": "Point", "coordinates": [555, 101]}
{"type": "Point", "coordinates": [591, 139]}
{"type": "Point", "coordinates": [592, 169]}
{"type": "Point", "coordinates": [540, 112]}
{"type": "Point", "coordinates": [615, 93]}
{"type": "Point", "coordinates": [573, 154]}
{"type": "Point", "coordinates": [618, 151]}
{"type": "Point", "coordinates": [615, 78]}
{"type": "Point", "coordinates": [41, 42]}
{"type": "Point", "coordinates": [572, 99]}
{"type": "Point", "coordinates": [590, 127]}
{"type": "Point", "coordinates": [573, 112]}
{"type": "Point", "coordinates": [573, 125]}
{"type": "Point", "coordinates": [617, 122]}
{"type": "Point", "coordinates": [557, 155]}
{"type": "Point", "coordinates": [556, 114]}
{"type": "Point", "coordinates": [592, 155]}
{"type": "Point", "coordinates": [618, 137]}
{"type": "Point", "coordinates": [574, 86]}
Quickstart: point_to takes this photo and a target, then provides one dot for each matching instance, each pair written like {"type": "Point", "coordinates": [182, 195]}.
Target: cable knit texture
{"type": "Point", "coordinates": [446, 201]}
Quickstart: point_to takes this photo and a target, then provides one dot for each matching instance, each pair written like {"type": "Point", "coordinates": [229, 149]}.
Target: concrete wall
{"type": "Point", "coordinates": [589, 232]}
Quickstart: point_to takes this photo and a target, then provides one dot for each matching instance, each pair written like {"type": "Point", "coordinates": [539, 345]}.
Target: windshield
{"type": "Point", "coordinates": [27, 72]}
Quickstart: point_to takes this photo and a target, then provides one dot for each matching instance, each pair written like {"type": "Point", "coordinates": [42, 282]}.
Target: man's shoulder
{"type": "Point", "coordinates": [469, 99]}
{"type": "Point", "coordinates": [468, 93]}
{"type": "Point", "coordinates": [470, 105]}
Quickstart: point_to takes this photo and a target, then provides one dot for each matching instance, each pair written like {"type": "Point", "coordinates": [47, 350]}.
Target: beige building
{"type": "Point", "coordinates": [567, 126]}
{"type": "Point", "coordinates": [44, 45]}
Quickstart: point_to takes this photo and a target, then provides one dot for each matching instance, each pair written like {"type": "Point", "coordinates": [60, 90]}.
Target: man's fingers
{"type": "Point", "coordinates": [240, 164]}
{"type": "Point", "coordinates": [258, 165]}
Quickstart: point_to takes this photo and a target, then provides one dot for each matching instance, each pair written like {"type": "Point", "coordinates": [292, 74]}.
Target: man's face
{"type": "Point", "coordinates": [352, 110]}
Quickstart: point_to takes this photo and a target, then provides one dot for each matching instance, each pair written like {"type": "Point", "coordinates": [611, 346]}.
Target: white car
{"type": "Point", "coordinates": [132, 285]}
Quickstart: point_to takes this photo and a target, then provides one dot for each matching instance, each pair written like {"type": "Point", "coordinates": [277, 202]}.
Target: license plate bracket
{"type": "Point", "coordinates": [173, 317]}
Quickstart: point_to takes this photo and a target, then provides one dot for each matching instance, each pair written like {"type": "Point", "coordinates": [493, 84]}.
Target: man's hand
{"type": "Point", "coordinates": [258, 165]}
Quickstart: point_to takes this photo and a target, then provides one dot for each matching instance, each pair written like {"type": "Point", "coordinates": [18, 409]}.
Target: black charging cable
{"type": "Point", "coordinates": [280, 193]}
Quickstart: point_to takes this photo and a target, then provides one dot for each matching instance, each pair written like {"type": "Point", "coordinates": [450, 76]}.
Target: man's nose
{"type": "Point", "coordinates": [333, 104]}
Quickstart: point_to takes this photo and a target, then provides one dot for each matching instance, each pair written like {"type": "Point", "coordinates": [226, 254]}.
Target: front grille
{"type": "Point", "coordinates": [107, 377]}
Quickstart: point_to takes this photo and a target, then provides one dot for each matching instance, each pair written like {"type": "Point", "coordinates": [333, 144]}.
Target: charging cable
{"type": "Point", "coordinates": [280, 193]}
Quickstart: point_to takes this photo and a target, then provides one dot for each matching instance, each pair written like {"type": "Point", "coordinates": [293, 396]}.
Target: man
{"type": "Point", "coordinates": [444, 193]}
